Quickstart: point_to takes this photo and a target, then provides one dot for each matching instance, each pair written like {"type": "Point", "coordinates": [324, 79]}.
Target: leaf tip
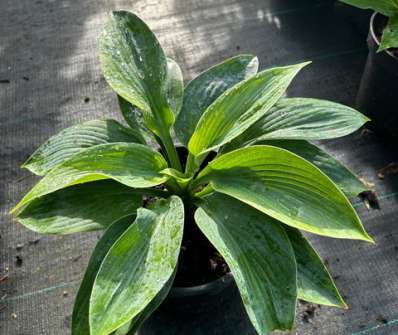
{"type": "Point", "coordinates": [304, 64]}
{"type": "Point", "coordinates": [367, 238]}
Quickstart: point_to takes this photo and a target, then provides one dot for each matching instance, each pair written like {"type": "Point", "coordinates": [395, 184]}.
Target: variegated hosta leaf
{"type": "Point", "coordinates": [285, 187]}
{"type": "Point", "coordinates": [134, 119]}
{"type": "Point", "coordinates": [175, 91]}
{"type": "Point", "coordinates": [207, 87]}
{"type": "Point", "coordinates": [182, 179]}
{"type": "Point", "coordinates": [386, 7]}
{"type": "Point", "coordinates": [390, 33]}
{"type": "Point", "coordinates": [259, 255]}
{"type": "Point", "coordinates": [137, 266]}
{"type": "Point", "coordinates": [239, 107]}
{"type": "Point", "coordinates": [132, 326]}
{"type": "Point", "coordinates": [341, 176]}
{"type": "Point", "coordinates": [314, 282]}
{"type": "Point", "coordinates": [80, 316]}
{"type": "Point", "coordinates": [131, 164]}
{"type": "Point", "coordinates": [80, 208]}
{"type": "Point", "coordinates": [135, 66]}
{"type": "Point", "coordinates": [301, 119]}
{"type": "Point", "coordinates": [175, 86]}
{"type": "Point", "coordinates": [74, 139]}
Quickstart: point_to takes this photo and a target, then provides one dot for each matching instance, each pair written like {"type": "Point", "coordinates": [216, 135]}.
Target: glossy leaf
{"type": "Point", "coordinates": [175, 86]}
{"type": "Point", "coordinates": [285, 187]}
{"type": "Point", "coordinates": [80, 208]}
{"type": "Point", "coordinates": [337, 172]}
{"type": "Point", "coordinates": [80, 316]}
{"type": "Point", "coordinates": [386, 7]}
{"type": "Point", "coordinates": [314, 282]}
{"type": "Point", "coordinates": [135, 120]}
{"type": "Point", "coordinates": [135, 66]}
{"type": "Point", "coordinates": [260, 256]}
{"type": "Point", "coordinates": [175, 91]}
{"type": "Point", "coordinates": [302, 119]}
{"type": "Point", "coordinates": [390, 34]}
{"type": "Point", "coordinates": [132, 326]}
{"type": "Point", "coordinates": [201, 92]}
{"type": "Point", "coordinates": [182, 179]}
{"type": "Point", "coordinates": [137, 266]}
{"type": "Point", "coordinates": [74, 139]}
{"type": "Point", "coordinates": [239, 107]}
{"type": "Point", "coordinates": [131, 164]}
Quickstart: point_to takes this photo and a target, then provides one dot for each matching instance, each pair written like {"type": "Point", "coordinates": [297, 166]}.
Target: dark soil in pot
{"type": "Point", "coordinates": [377, 93]}
{"type": "Point", "coordinates": [204, 299]}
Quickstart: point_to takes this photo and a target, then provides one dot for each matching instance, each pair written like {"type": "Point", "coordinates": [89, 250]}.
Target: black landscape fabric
{"type": "Point", "coordinates": [50, 79]}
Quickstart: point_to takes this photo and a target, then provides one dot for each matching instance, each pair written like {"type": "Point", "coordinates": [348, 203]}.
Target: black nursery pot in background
{"type": "Point", "coordinates": [358, 19]}
{"type": "Point", "coordinates": [209, 309]}
{"type": "Point", "coordinates": [377, 94]}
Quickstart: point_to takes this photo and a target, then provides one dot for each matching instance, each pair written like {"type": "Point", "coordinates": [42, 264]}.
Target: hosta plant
{"type": "Point", "coordinates": [388, 8]}
{"type": "Point", "coordinates": [265, 184]}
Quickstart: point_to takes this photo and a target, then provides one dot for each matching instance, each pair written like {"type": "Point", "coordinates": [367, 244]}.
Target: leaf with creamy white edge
{"type": "Point", "coordinates": [301, 119]}
{"type": "Point", "coordinates": [75, 139]}
{"type": "Point", "coordinates": [239, 107]}
{"type": "Point", "coordinates": [80, 208]}
{"type": "Point", "coordinates": [137, 266]}
{"type": "Point", "coordinates": [260, 256]}
{"type": "Point", "coordinates": [285, 187]}
{"type": "Point", "coordinates": [131, 164]}
{"type": "Point", "coordinates": [202, 91]}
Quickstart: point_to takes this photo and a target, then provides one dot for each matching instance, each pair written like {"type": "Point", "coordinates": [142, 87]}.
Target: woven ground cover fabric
{"type": "Point", "coordinates": [50, 79]}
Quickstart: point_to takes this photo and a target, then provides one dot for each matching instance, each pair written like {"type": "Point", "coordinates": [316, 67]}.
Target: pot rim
{"type": "Point", "coordinates": [373, 34]}
{"type": "Point", "coordinates": [214, 285]}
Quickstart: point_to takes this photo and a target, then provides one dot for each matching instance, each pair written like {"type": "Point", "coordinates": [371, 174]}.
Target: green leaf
{"type": "Point", "coordinates": [301, 119]}
{"type": "Point", "coordinates": [131, 164]}
{"type": "Point", "coordinates": [390, 34]}
{"type": "Point", "coordinates": [201, 92]}
{"type": "Point", "coordinates": [74, 139]}
{"type": "Point", "coordinates": [385, 7]}
{"type": "Point", "coordinates": [137, 266]}
{"type": "Point", "coordinates": [182, 179]}
{"type": "Point", "coordinates": [260, 256]}
{"type": "Point", "coordinates": [175, 86]}
{"type": "Point", "coordinates": [132, 326]}
{"type": "Point", "coordinates": [285, 187]}
{"type": "Point", "coordinates": [135, 66]}
{"type": "Point", "coordinates": [337, 172]}
{"type": "Point", "coordinates": [80, 315]}
{"type": "Point", "coordinates": [80, 208]}
{"type": "Point", "coordinates": [239, 107]}
{"type": "Point", "coordinates": [314, 282]}
{"type": "Point", "coordinates": [134, 119]}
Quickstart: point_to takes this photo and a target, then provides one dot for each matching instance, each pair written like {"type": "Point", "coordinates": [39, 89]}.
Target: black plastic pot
{"type": "Point", "coordinates": [357, 18]}
{"type": "Point", "coordinates": [377, 96]}
{"type": "Point", "coordinates": [211, 309]}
